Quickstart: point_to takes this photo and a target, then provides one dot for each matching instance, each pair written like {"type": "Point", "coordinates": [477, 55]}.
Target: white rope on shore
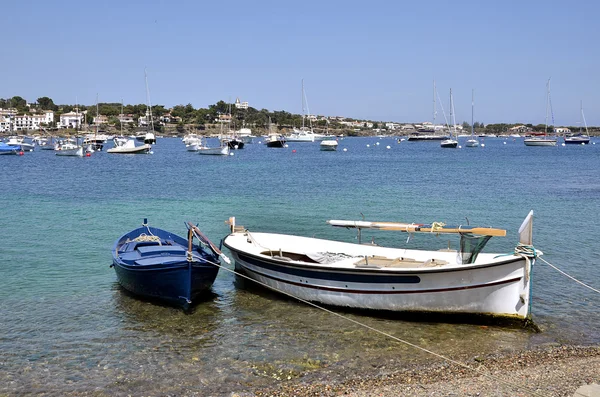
{"type": "Point", "coordinates": [480, 372]}
{"type": "Point", "coordinates": [568, 275]}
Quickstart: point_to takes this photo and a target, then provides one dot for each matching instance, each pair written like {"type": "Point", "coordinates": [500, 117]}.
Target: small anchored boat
{"type": "Point", "coordinates": [328, 145]}
{"type": "Point", "coordinates": [157, 264]}
{"type": "Point", "coordinates": [129, 147]}
{"type": "Point", "coordinates": [361, 276]}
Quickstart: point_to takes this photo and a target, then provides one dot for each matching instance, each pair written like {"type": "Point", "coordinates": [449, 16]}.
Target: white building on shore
{"type": "Point", "coordinates": [71, 120]}
{"type": "Point", "coordinates": [5, 124]}
{"type": "Point", "coordinates": [241, 105]}
{"type": "Point", "coordinates": [32, 121]}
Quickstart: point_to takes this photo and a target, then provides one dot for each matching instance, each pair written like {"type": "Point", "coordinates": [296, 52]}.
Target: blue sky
{"type": "Point", "coordinates": [362, 59]}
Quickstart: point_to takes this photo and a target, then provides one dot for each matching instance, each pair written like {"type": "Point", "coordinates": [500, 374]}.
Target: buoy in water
{"type": "Point", "coordinates": [294, 151]}
{"type": "Point", "coordinates": [21, 153]}
{"type": "Point", "coordinates": [88, 154]}
{"type": "Point", "coordinates": [368, 145]}
{"type": "Point", "coordinates": [345, 149]}
{"type": "Point", "coordinates": [388, 147]}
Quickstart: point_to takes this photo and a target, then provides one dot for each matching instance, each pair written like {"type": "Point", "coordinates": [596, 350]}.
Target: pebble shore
{"type": "Point", "coordinates": [548, 371]}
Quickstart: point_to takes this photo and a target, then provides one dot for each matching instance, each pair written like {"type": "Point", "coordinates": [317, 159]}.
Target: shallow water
{"type": "Point", "coordinates": [66, 327]}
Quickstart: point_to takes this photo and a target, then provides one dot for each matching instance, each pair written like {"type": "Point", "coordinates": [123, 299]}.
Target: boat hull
{"type": "Point", "coordinates": [162, 272]}
{"type": "Point", "coordinates": [449, 143]}
{"type": "Point", "coordinates": [277, 143]}
{"type": "Point", "coordinates": [77, 152]}
{"type": "Point", "coordinates": [472, 143]}
{"type": "Point", "coordinates": [214, 151]}
{"type": "Point", "coordinates": [414, 138]}
{"type": "Point", "coordinates": [577, 140]}
{"type": "Point", "coordinates": [539, 142]}
{"type": "Point", "coordinates": [498, 288]}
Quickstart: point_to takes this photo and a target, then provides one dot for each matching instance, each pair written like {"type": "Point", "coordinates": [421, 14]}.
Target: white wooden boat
{"type": "Point", "coordinates": [222, 150]}
{"type": "Point", "coordinates": [329, 145]}
{"type": "Point", "coordinates": [394, 279]}
{"type": "Point", "coordinates": [68, 147]}
{"type": "Point", "coordinates": [129, 147]}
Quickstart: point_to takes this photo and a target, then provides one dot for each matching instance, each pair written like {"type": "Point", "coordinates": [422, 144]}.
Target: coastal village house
{"type": "Point", "coordinates": [143, 121]}
{"type": "Point", "coordinates": [70, 120]}
{"type": "Point", "coordinates": [224, 118]}
{"type": "Point", "coordinates": [101, 119]}
{"type": "Point", "coordinates": [4, 124]}
{"type": "Point", "coordinates": [562, 130]}
{"type": "Point", "coordinates": [519, 129]}
{"type": "Point", "coordinates": [126, 119]}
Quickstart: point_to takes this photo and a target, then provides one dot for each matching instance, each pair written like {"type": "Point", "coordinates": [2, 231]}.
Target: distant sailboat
{"type": "Point", "coordinates": [544, 140]}
{"type": "Point", "coordinates": [451, 142]}
{"type": "Point", "coordinates": [426, 133]}
{"type": "Point", "coordinates": [472, 141]}
{"type": "Point", "coordinates": [580, 138]}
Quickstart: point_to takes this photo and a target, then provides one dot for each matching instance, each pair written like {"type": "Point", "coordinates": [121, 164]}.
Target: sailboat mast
{"type": "Point", "coordinates": [149, 105]}
{"type": "Point", "coordinates": [472, 110]}
{"type": "Point", "coordinates": [302, 103]}
{"type": "Point", "coordinates": [583, 118]}
{"type": "Point", "coordinates": [434, 108]}
{"type": "Point", "coordinates": [547, 106]}
{"type": "Point", "coordinates": [452, 113]}
{"type": "Point", "coordinates": [122, 115]}
{"type": "Point", "coordinates": [97, 116]}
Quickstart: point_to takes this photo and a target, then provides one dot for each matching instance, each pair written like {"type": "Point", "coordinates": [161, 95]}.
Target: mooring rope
{"type": "Point", "coordinates": [480, 372]}
{"type": "Point", "coordinates": [569, 276]}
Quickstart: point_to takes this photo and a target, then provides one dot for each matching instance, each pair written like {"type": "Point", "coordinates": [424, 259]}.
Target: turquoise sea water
{"type": "Point", "coordinates": [66, 327]}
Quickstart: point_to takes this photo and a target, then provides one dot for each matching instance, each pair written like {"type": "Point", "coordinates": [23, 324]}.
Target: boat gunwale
{"type": "Point", "coordinates": [364, 270]}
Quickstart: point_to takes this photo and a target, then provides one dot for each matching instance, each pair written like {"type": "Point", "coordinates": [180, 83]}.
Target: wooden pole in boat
{"type": "Point", "coordinates": [190, 244]}
{"type": "Point", "coordinates": [418, 228]}
{"type": "Point", "coordinates": [201, 236]}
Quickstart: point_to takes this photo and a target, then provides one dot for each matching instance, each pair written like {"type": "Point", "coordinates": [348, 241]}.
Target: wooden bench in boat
{"type": "Point", "coordinates": [383, 261]}
{"type": "Point", "coordinates": [369, 261]}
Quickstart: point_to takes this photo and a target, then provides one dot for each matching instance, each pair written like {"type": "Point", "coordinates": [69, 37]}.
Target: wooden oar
{"type": "Point", "coordinates": [418, 227]}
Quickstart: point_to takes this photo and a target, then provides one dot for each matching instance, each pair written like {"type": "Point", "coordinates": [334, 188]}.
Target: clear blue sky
{"type": "Point", "coordinates": [362, 59]}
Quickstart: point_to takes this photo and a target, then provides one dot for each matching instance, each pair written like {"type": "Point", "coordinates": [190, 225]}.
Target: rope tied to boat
{"type": "Point", "coordinates": [437, 226]}
{"type": "Point", "coordinates": [145, 237]}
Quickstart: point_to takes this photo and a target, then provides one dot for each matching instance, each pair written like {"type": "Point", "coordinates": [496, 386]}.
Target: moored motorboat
{"type": "Point", "coordinates": [275, 140]}
{"type": "Point", "coordinates": [129, 147]}
{"type": "Point", "coordinates": [328, 145]}
{"type": "Point", "coordinates": [393, 279]}
{"type": "Point", "coordinates": [157, 264]}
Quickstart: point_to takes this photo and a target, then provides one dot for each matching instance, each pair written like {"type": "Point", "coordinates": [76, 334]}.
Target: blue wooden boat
{"type": "Point", "coordinates": [157, 264]}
